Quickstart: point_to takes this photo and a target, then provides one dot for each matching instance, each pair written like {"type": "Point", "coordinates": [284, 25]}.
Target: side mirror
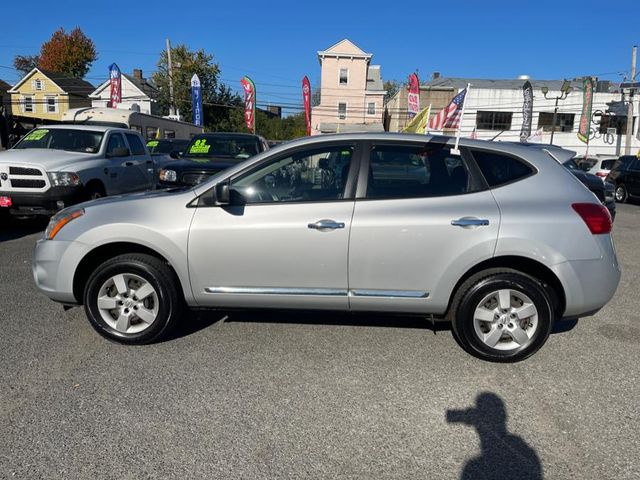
{"type": "Point", "coordinates": [222, 193]}
{"type": "Point", "coordinates": [118, 152]}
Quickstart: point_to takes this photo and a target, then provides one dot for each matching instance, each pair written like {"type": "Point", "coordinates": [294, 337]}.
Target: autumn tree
{"type": "Point", "coordinates": [69, 53]}
{"type": "Point", "coordinates": [219, 101]}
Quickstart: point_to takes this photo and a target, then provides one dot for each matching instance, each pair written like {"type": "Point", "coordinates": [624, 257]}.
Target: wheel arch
{"type": "Point", "coordinates": [95, 182]}
{"type": "Point", "coordinates": [102, 253]}
{"type": "Point", "coordinates": [525, 265]}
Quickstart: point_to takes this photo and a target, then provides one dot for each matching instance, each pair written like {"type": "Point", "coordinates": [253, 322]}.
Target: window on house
{"type": "Point", "coordinates": [51, 105]}
{"type": "Point", "coordinates": [371, 108]}
{"type": "Point", "coordinates": [38, 84]}
{"type": "Point", "coordinates": [564, 121]}
{"type": "Point", "coordinates": [493, 120]}
{"type": "Point", "coordinates": [342, 111]}
{"type": "Point", "coordinates": [28, 104]}
{"type": "Point", "coordinates": [618, 122]}
{"type": "Point", "coordinates": [344, 76]}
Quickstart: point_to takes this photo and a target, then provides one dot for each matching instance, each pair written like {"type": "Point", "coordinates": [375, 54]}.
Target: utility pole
{"type": "Point", "coordinates": [172, 105]}
{"type": "Point", "coordinates": [627, 143]}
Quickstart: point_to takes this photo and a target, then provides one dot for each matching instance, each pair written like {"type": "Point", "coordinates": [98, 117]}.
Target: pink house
{"type": "Point", "coordinates": [351, 91]}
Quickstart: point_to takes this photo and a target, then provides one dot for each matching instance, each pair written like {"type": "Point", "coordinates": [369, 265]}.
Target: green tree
{"type": "Point", "coordinates": [69, 53]}
{"type": "Point", "coordinates": [392, 87]}
{"type": "Point", "coordinates": [220, 104]}
{"type": "Point", "coordinates": [25, 63]}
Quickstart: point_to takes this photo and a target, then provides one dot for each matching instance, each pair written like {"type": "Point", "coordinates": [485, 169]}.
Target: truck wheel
{"type": "Point", "coordinates": [133, 299]}
{"type": "Point", "coordinates": [621, 193]}
{"type": "Point", "coordinates": [502, 315]}
{"type": "Point", "coordinates": [95, 191]}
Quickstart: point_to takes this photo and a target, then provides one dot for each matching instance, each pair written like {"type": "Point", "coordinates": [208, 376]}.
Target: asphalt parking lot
{"type": "Point", "coordinates": [263, 395]}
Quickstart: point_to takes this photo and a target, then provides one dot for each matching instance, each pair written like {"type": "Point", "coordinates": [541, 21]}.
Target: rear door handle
{"type": "Point", "coordinates": [468, 222]}
{"type": "Point", "coordinates": [325, 225]}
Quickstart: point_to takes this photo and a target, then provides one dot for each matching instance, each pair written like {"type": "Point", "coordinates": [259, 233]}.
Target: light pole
{"type": "Point", "coordinates": [564, 92]}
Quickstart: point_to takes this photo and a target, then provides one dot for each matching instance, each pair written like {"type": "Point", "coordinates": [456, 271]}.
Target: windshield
{"type": "Point", "coordinates": [166, 146]}
{"type": "Point", "coordinates": [62, 139]}
{"type": "Point", "coordinates": [218, 146]}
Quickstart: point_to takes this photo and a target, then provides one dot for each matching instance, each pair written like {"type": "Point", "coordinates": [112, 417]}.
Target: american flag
{"type": "Point", "coordinates": [449, 116]}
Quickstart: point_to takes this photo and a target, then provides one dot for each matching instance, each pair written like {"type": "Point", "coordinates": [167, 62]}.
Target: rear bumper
{"type": "Point", "coordinates": [44, 203]}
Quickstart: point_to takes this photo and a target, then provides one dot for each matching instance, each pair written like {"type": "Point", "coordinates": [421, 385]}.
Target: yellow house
{"type": "Point", "coordinates": [45, 95]}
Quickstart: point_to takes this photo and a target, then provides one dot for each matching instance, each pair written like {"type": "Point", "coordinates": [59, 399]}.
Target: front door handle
{"type": "Point", "coordinates": [326, 225]}
{"type": "Point", "coordinates": [468, 222]}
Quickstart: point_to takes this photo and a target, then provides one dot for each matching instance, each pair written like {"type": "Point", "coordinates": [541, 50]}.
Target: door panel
{"type": "Point", "coordinates": [410, 249]}
{"type": "Point", "coordinates": [138, 167]}
{"type": "Point", "coordinates": [267, 255]}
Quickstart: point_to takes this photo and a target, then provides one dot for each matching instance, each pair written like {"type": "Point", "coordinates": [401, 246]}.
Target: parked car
{"type": "Point", "coordinates": [208, 154]}
{"type": "Point", "coordinates": [625, 176]}
{"type": "Point", "coordinates": [56, 166]}
{"type": "Point", "coordinates": [499, 239]}
{"type": "Point", "coordinates": [173, 147]}
{"type": "Point", "coordinates": [598, 165]}
{"type": "Point", "coordinates": [601, 188]}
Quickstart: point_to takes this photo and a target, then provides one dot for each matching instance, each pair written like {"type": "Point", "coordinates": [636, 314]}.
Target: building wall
{"type": "Point", "coordinates": [49, 90]}
{"type": "Point", "coordinates": [510, 100]}
{"type": "Point", "coordinates": [397, 106]}
{"type": "Point", "coordinates": [130, 96]}
{"type": "Point", "coordinates": [354, 93]}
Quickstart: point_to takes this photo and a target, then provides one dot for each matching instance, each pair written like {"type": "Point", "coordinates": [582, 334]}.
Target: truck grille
{"type": "Point", "coordinates": [22, 178]}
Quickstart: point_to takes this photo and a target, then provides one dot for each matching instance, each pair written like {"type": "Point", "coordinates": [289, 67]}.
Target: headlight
{"type": "Point", "coordinates": [168, 176]}
{"type": "Point", "coordinates": [64, 179]}
{"type": "Point", "coordinates": [60, 219]}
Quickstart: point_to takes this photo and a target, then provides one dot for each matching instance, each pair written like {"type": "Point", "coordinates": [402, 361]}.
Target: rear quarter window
{"type": "Point", "coordinates": [499, 169]}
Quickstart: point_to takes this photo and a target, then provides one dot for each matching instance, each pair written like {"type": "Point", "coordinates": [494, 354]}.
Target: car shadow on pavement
{"type": "Point", "coordinates": [503, 455]}
{"type": "Point", "coordinates": [12, 228]}
{"type": "Point", "coordinates": [196, 320]}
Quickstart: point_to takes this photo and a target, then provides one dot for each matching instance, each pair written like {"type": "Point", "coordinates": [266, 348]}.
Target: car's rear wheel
{"type": "Point", "coordinates": [133, 298]}
{"type": "Point", "coordinates": [502, 315]}
{"type": "Point", "coordinates": [621, 193]}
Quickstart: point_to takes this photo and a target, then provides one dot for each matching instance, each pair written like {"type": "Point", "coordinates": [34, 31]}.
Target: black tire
{"type": "Point", "coordinates": [95, 190]}
{"type": "Point", "coordinates": [475, 289]}
{"type": "Point", "coordinates": [152, 270]}
{"type": "Point", "coordinates": [621, 194]}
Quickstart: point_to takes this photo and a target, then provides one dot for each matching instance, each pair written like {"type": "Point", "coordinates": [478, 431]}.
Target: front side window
{"type": "Point", "coordinates": [344, 76]}
{"type": "Point", "coordinates": [115, 141]}
{"type": "Point", "coordinates": [137, 148]}
{"type": "Point", "coordinates": [307, 176]}
{"type": "Point", "coordinates": [499, 169]}
{"type": "Point", "coordinates": [342, 111]}
{"type": "Point", "coordinates": [420, 171]}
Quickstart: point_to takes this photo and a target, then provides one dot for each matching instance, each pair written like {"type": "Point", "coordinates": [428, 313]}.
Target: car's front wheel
{"type": "Point", "coordinates": [133, 298]}
{"type": "Point", "coordinates": [502, 315]}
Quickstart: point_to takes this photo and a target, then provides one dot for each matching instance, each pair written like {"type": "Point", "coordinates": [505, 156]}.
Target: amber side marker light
{"type": "Point", "coordinates": [59, 221]}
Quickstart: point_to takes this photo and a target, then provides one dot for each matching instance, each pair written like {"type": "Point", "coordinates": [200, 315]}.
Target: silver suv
{"type": "Point", "coordinates": [499, 239]}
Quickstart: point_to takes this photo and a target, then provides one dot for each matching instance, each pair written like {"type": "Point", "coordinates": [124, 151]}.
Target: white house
{"type": "Point", "coordinates": [137, 94]}
{"type": "Point", "coordinates": [494, 110]}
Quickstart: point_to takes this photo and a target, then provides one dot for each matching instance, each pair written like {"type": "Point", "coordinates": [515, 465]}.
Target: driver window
{"type": "Point", "coordinates": [115, 141]}
{"type": "Point", "coordinates": [307, 176]}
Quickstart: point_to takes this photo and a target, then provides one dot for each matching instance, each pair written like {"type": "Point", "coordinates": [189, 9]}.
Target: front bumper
{"type": "Point", "coordinates": [54, 266]}
{"type": "Point", "coordinates": [43, 203]}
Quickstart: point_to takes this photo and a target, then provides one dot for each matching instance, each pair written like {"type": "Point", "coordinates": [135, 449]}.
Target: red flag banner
{"type": "Point", "coordinates": [413, 97]}
{"type": "Point", "coordinates": [249, 103]}
{"type": "Point", "coordinates": [306, 98]}
{"type": "Point", "coordinates": [115, 82]}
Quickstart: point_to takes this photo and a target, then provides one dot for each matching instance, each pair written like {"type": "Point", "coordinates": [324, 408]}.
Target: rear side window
{"type": "Point", "coordinates": [137, 148]}
{"type": "Point", "coordinates": [420, 171]}
{"type": "Point", "coordinates": [500, 169]}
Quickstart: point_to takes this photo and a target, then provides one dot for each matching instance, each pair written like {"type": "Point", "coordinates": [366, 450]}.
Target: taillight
{"type": "Point", "coordinates": [596, 216]}
{"type": "Point", "coordinates": [602, 174]}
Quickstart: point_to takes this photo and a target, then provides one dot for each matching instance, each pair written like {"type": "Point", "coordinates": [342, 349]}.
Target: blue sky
{"type": "Point", "coordinates": [276, 42]}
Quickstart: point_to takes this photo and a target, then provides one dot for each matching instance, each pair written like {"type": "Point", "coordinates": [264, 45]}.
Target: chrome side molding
{"type": "Point", "coordinates": [319, 291]}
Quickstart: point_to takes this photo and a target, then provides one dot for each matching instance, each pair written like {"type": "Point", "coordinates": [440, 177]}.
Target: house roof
{"type": "Point", "coordinates": [71, 85]}
{"type": "Point", "coordinates": [344, 48]}
{"type": "Point", "coordinates": [145, 86]}
{"type": "Point", "coordinates": [4, 86]}
{"type": "Point", "coordinates": [510, 84]}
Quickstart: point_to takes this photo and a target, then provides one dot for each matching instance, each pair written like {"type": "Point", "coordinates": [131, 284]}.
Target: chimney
{"type": "Point", "coordinates": [435, 75]}
{"type": "Point", "coordinates": [137, 74]}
